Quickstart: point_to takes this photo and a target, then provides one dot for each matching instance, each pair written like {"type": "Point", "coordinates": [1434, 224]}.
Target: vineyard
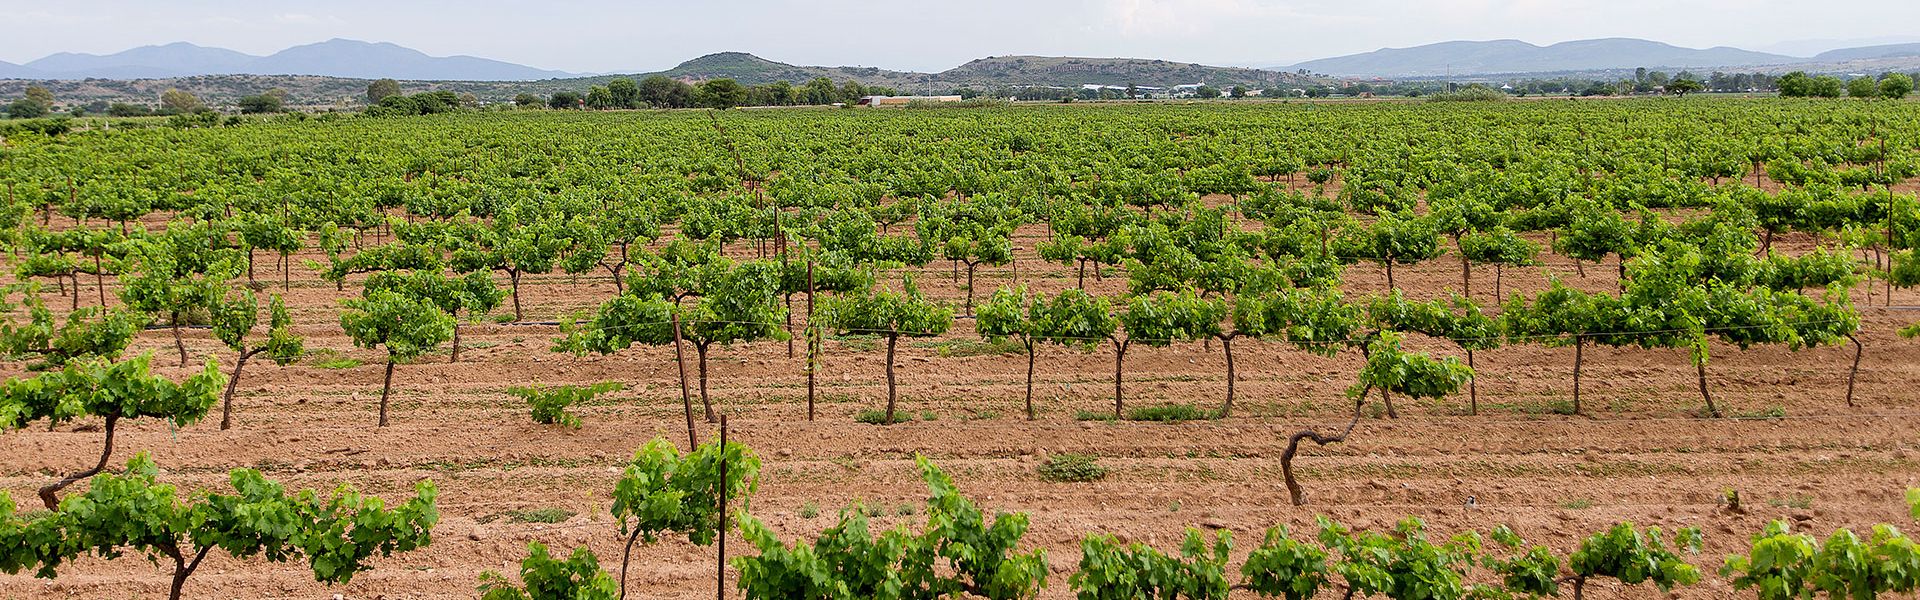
{"type": "Point", "coordinates": [1406, 350]}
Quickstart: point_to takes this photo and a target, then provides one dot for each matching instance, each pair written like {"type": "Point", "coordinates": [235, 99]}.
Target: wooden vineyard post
{"type": "Point", "coordinates": [813, 343]}
{"type": "Point", "coordinates": [720, 572]}
{"type": "Point", "coordinates": [686, 401]}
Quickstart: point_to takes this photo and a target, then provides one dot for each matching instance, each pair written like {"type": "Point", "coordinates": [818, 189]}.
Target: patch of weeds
{"type": "Point", "coordinates": [847, 462]}
{"type": "Point", "coordinates": [1800, 502]}
{"type": "Point", "coordinates": [904, 510]}
{"type": "Point", "coordinates": [875, 416]}
{"type": "Point", "coordinates": [927, 415]}
{"type": "Point", "coordinates": [872, 511]}
{"type": "Point", "coordinates": [1175, 507]}
{"type": "Point", "coordinates": [970, 347]}
{"type": "Point", "coordinates": [502, 318]}
{"type": "Point", "coordinates": [1093, 415]}
{"type": "Point", "coordinates": [809, 510]}
{"type": "Point", "coordinates": [328, 359]}
{"type": "Point", "coordinates": [1169, 413]}
{"type": "Point", "coordinates": [1577, 504]}
{"type": "Point", "coordinates": [1772, 412]}
{"type": "Point", "coordinates": [478, 345]}
{"type": "Point", "coordinates": [1072, 468]}
{"type": "Point", "coordinates": [985, 415]}
{"type": "Point", "coordinates": [858, 343]}
{"type": "Point", "coordinates": [536, 515]}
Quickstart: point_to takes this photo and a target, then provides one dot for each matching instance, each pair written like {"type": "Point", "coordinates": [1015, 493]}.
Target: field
{"type": "Point", "coordinates": [1640, 449]}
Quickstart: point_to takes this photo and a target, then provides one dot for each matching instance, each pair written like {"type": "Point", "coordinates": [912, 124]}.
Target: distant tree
{"type": "Point", "coordinates": [820, 91]}
{"type": "Point", "coordinates": [564, 100]}
{"type": "Point", "coordinates": [27, 109]}
{"type": "Point", "coordinates": [380, 89]}
{"type": "Point", "coordinates": [780, 93]}
{"type": "Point", "coordinates": [720, 93]}
{"type": "Point", "coordinates": [1796, 85]}
{"type": "Point", "coordinates": [1827, 86]}
{"type": "Point", "coordinates": [1863, 87]}
{"type": "Point", "coordinates": [1895, 86]}
{"type": "Point", "coordinates": [40, 94]}
{"type": "Point", "coordinates": [525, 100]}
{"type": "Point", "coordinates": [261, 103]}
{"type": "Point", "coordinates": [1207, 91]}
{"type": "Point", "coordinates": [625, 93]}
{"type": "Point", "coordinates": [122, 109]}
{"type": "Point", "coordinates": [177, 102]}
{"type": "Point", "coordinates": [660, 91]}
{"type": "Point", "coordinates": [600, 98]}
{"type": "Point", "coordinates": [468, 100]}
{"type": "Point", "coordinates": [1238, 91]}
{"type": "Point", "coordinates": [1682, 87]}
{"type": "Point", "coordinates": [36, 103]}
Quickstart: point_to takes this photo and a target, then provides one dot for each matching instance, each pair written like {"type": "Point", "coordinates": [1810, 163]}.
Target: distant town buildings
{"type": "Point", "coordinates": [904, 100]}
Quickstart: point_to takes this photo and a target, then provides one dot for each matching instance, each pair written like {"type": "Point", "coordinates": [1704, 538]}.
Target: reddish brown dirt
{"type": "Point", "coordinates": [1638, 454]}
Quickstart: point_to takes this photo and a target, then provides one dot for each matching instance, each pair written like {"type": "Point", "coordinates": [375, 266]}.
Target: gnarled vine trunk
{"type": "Point", "coordinates": [386, 390]}
{"type": "Point", "coordinates": [1855, 371]}
{"type": "Point", "coordinates": [1226, 347]}
{"type": "Point", "coordinates": [1031, 351]}
{"type": "Point", "coordinates": [893, 341]}
{"type": "Point", "coordinates": [106, 453]}
{"type": "Point", "coordinates": [233, 381]}
{"type": "Point", "coordinates": [700, 349]}
{"type": "Point", "coordinates": [1294, 491]}
{"type": "Point", "coordinates": [1119, 364]}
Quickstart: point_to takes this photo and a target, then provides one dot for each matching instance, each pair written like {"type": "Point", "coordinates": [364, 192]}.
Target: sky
{"type": "Point", "coordinates": [647, 35]}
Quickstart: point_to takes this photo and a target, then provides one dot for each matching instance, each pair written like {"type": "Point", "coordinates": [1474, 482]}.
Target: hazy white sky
{"type": "Point", "coordinates": [647, 35]}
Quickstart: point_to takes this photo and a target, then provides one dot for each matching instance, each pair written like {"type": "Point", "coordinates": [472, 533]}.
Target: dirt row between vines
{"type": "Point", "coordinates": [1637, 454]}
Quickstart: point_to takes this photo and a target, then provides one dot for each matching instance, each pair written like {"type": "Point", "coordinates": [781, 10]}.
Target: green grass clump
{"type": "Point", "coordinates": [1168, 413]}
{"type": "Point", "coordinates": [1093, 415]}
{"type": "Point", "coordinates": [534, 515]}
{"type": "Point", "coordinates": [875, 416]}
{"type": "Point", "coordinates": [1072, 468]}
{"type": "Point", "coordinates": [328, 359]}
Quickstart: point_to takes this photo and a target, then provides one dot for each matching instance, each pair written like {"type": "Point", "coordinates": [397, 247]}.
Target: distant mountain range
{"type": "Point", "coordinates": [1513, 57]}
{"type": "Point", "coordinates": [331, 58]}
{"type": "Point", "coordinates": [1908, 50]}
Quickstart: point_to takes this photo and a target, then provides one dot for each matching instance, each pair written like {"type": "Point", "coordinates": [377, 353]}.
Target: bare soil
{"type": "Point", "coordinates": [1640, 453]}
